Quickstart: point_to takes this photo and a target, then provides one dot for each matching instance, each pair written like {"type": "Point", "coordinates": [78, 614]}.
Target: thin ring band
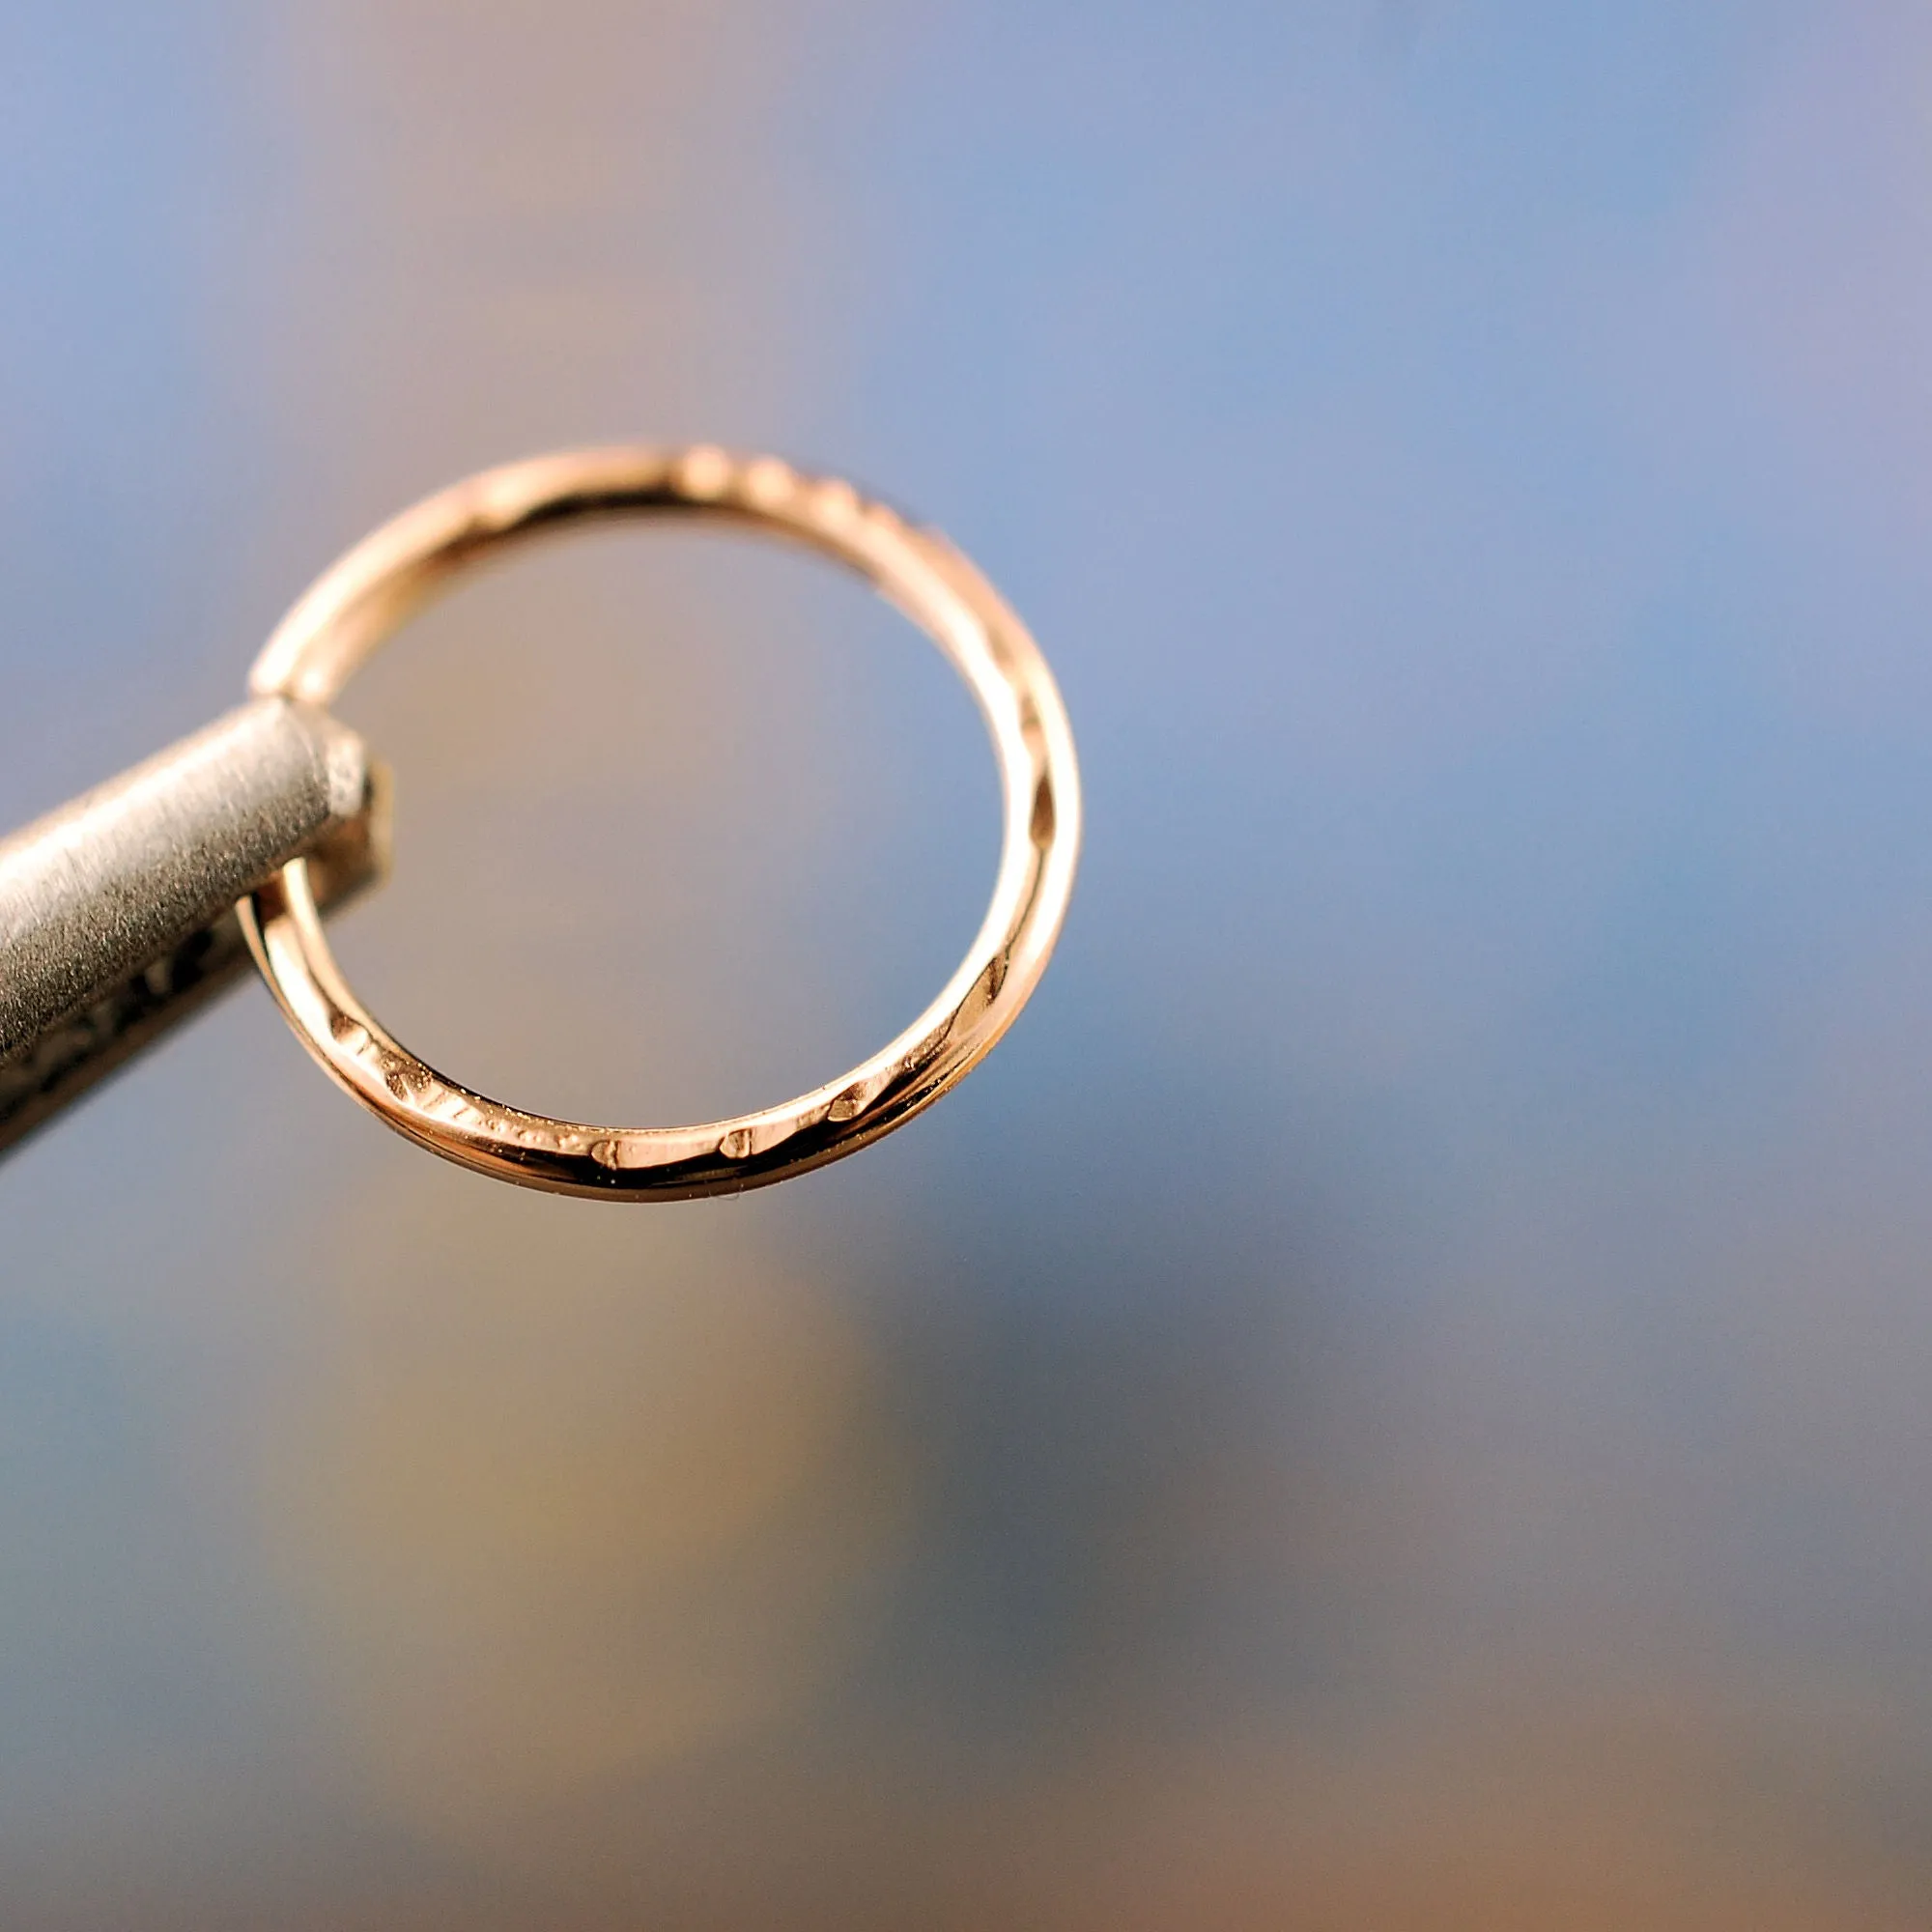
{"type": "Point", "coordinates": [365, 596]}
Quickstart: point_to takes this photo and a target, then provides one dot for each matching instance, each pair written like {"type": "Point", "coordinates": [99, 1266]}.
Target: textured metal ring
{"type": "Point", "coordinates": [366, 596]}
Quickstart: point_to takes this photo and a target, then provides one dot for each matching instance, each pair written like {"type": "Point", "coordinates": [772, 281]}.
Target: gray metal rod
{"type": "Point", "coordinates": [116, 909]}
{"type": "Point", "coordinates": [72, 1059]}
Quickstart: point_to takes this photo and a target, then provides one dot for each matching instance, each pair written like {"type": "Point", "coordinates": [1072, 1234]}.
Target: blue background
{"type": "Point", "coordinates": [1396, 1398]}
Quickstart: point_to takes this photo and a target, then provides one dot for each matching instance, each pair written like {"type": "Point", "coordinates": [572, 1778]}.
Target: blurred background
{"type": "Point", "coordinates": [1398, 1398]}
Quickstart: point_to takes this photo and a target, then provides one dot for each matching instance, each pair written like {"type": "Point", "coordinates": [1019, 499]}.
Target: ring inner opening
{"type": "Point", "coordinates": [687, 822]}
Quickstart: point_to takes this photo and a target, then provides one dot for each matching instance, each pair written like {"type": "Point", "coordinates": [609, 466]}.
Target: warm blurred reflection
{"type": "Point", "coordinates": [632, 1514]}
{"type": "Point", "coordinates": [1396, 1398]}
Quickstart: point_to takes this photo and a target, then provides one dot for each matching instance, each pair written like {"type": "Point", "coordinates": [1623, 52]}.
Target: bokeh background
{"type": "Point", "coordinates": [1398, 1396]}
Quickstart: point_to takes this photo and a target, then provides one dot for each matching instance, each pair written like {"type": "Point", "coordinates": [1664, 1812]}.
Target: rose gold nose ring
{"type": "Point", "coordinates": [367, 595]}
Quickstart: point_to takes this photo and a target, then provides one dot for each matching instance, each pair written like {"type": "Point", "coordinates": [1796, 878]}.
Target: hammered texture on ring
{"type": "Point", "coordinates": [359, 601]}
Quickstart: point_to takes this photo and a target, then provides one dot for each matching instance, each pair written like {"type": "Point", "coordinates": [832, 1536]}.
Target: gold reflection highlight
{"type": "Point", "coordinates": [558, 1501]}
{"type": "Point", "coordinates": [566, 1503]}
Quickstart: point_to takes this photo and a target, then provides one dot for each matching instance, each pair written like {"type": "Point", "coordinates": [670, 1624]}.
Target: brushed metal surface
{"type": "Point", "coordinates": [73, 1056]}
{"type": "Point", "coordinates": [117, 880]}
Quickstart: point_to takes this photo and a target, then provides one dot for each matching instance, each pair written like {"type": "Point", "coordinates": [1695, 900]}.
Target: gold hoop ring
{"type": "Point", "coordinates": [364, 597]}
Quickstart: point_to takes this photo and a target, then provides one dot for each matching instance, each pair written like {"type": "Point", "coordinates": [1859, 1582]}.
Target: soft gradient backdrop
{"type": "Point", "coordinates": [1399, 1398]}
